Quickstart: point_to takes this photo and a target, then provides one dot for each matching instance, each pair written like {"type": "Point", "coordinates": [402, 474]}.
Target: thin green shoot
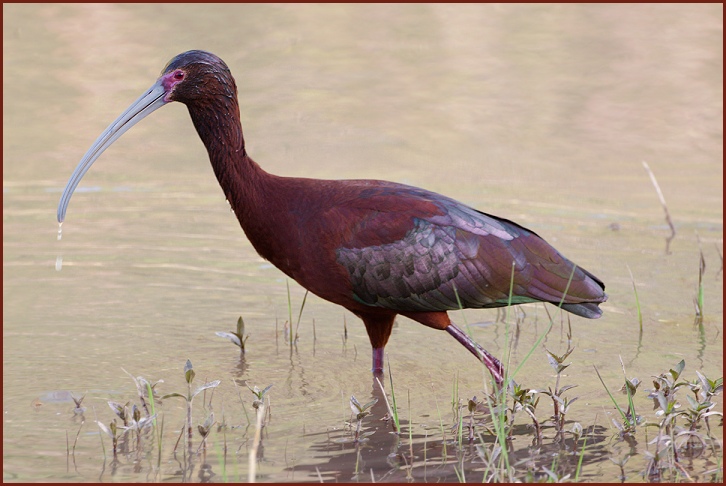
{"type": "Point", "coordinates": [718, 476]}
{"type": "Point", "coordinates": [99, 435]}
{"type": "Point", "coordinates": [508, 352]}
{"type": "Point", "coordinates": [460, 474]}
{"type": "Point", "coordinates": [500, 418]}
{"type": "Point", "coordinates": [151, 401]}
{"type": "Point", "coordinates": [622, 414]}
{"type": "Point", "coordinates": [159, 437]}
{"type": "Point", "coordinates": [488, 459]}
{"type": "Point", "coordinates": [239, 395]}
{"type": "Point", "coordinates": [567, 287]}
{"type": "Point", "coordinates": [150, 393]}
{"type": "Point", "coordinates": [553, 466]}
{"type": "Point", "coordinates": [393, 399]}
{"type": "Point", "coordinates": [221, 460]}
{"type": "Point", "coordinates": [579, 461]}
{"type": "Point", "coordinates": [461, 308]}
{"type": "Point", "coordinates": [498, 410]}
{"type": "Point", "coordinates": [510, 376]}
{"type": "Point", "coordinates": [498, 413]}
{"type": "Point", "coordinates": [701, 271]}
{"type": "Point", "coordinates": [535, 346]}
{"type": "Point", "coordinates": [302, 306]}
{"type": "Point", "coordinates": [410, 436]}
{"type": "Point", "coordinates": [388, 406]}
{"type": "Point", "coordinates": [441, 424]}
{"type": "Point", "coordinates": [637, 300]}
{"type": "Point", "coordinates": [455, 394]}
{"type": "Point", "coordinates": [460, 429]}
{"type": "Point", "coordinates": [425, 450]}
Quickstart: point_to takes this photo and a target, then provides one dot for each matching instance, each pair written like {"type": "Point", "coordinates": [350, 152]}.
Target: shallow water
{"type": "Point", "coordinates": [539, 114]}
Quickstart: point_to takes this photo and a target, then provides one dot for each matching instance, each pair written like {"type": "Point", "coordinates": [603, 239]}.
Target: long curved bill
{"type": "Point", "coordinates": [150, 101]}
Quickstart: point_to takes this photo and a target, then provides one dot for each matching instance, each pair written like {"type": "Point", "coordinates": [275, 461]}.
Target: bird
{"type": "Point", "coordinates": [379, 249]}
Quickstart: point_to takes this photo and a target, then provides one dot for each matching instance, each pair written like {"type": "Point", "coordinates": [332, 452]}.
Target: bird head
{"type": "Point", "coordinates": [194, 78]}
{"type": "Point", "coordinates": [196, 75]}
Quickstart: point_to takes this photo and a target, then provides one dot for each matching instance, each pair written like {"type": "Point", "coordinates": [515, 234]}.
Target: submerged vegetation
{"type": "Point", "coordinates": [512, 433]}
{"type": "Point", "coordinates": [680, 438]}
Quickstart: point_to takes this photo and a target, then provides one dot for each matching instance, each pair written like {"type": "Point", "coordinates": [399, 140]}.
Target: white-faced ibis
{"type": "Point", "coordinates": [376, 248]}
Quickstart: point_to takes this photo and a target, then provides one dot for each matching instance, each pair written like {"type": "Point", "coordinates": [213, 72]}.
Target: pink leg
{"type": "Point", "coordinates": [492, 363]}
{"type": "Point", "coordinates": [377, 360]}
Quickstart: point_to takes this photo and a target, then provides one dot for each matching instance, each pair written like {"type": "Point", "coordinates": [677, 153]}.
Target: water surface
{"type": "Point", "coordinates": [539, 114]}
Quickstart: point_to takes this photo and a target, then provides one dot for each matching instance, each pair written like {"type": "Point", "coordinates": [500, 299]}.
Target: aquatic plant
{"type": "Point", "coordinates": [237, 338]}
{"type": "Point", "coordinates": [189, 397]}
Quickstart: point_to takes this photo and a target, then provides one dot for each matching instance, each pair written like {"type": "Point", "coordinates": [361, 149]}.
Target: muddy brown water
{"type": "Point", "coordinates": [539, 114]}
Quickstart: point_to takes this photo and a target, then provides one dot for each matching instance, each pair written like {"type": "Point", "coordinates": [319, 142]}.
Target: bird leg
{"type": "Point", "coordinates": [379, 324]}
{"type": "Point", "coordinates": [377, 360]}
{"type": "Point", "coordinates": [492, 363]}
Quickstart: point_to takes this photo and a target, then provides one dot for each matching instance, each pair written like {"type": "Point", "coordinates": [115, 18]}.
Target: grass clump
{"type": "Point", "coordinates": [680, 433]}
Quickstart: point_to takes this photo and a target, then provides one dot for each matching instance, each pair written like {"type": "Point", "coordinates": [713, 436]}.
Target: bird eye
{"type": "Point", "coordinates": [179, 75]}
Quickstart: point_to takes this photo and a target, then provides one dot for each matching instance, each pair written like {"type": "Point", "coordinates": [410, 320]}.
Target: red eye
{"type": "Point", "coordinates": [179, 75]}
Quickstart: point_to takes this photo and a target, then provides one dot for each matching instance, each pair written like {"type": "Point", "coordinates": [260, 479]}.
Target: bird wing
{"type": "Point", "coordinates": [413, 250]}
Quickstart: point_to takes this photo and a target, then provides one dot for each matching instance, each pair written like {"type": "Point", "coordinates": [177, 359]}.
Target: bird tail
{"type": "Point", "coordinates": [589, 309]}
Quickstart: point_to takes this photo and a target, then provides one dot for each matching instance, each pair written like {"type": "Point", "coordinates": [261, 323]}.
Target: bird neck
{"type": "Point", "coordinates": [246, 186]}
{"type": "Point", "coordinates": [217, 121]}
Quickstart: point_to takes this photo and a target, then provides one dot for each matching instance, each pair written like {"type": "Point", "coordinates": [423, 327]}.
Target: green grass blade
{"type": "Point", "coordinates": [302, 306]}
{"type": "Point", "coordinates": [393, 399]}
{"type": "Point", "coordinates": [579, 461]}
{"type": "Point", "coordinates": [622, 414]}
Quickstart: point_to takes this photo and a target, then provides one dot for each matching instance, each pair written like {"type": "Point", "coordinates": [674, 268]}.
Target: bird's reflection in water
{"type": "Point", "coordinates": [418, 453]}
